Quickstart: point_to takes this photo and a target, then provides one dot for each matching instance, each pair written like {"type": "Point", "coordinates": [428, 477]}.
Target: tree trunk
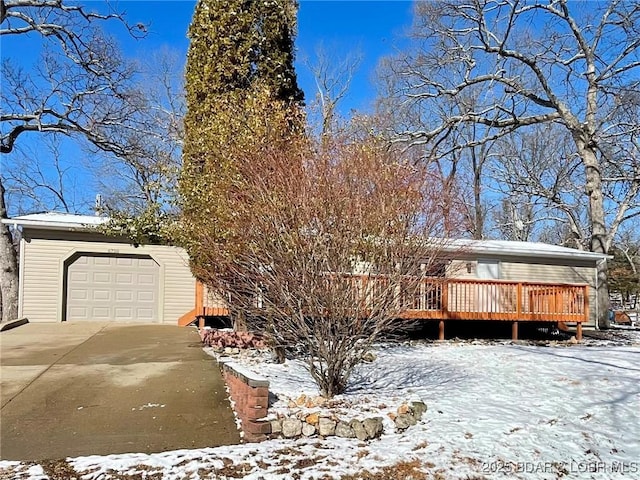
{"type": "Point", "coordinates": [8, 268]}
{"type": "Point", "coordinates": [478, 231]}
{"type": "Point", "coordinates": [599, 244]}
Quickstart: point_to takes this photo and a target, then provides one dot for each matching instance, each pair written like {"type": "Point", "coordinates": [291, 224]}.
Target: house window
{"type": "Point", "coordinates": [488, 269]}
{"type": "Point", "coordinates": [435, 269]}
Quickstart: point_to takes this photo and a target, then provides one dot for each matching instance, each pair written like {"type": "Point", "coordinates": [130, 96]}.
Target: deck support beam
{"type": "Point", "coordinates": [579, 331]}
{"type": "Point", "coordinates": [441, 330]}
{"type": "Point", "coordinates": [514, 331]}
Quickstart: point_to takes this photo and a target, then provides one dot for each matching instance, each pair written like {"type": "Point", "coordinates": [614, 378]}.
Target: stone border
{"type": "Point", "coordinates": [250, 395]}
{"type": "Point", "coordinates": [326, 425]}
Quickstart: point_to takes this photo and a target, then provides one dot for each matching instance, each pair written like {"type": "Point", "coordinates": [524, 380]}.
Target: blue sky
{"type": "Point", "coordinates": [372, 27]}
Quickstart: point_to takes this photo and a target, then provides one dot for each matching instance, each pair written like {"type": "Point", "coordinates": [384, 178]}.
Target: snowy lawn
{"type": "Point", "coordinates": [494, 411]}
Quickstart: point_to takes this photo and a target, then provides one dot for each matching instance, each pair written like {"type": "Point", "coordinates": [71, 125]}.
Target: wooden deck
{"type": "Point", "coordinates": [201, 309]}
{"type": "Point", "coordinates": [461, 299]}
{"type": "Point", "coordinates": [497, 300]}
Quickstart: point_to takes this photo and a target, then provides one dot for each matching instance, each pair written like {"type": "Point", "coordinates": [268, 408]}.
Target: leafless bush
{"type": "Point", "coordinates": [328, 248]}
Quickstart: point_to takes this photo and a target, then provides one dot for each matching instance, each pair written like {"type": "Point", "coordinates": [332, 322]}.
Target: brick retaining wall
{"type": "Point", "coordinates": [250, 393]}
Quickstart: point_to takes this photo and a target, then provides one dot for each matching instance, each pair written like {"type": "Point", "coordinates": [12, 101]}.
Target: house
{"type": "Point", "coordinates": [71, 272]}
{"type": "Point", "coordinates": [523, 281]}
{"type": "Point", "coordinates": [491, 280]}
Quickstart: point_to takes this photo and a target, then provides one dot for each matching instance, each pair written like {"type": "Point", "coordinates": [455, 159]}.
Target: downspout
{"type": "Point", "coordinates": [598, 263]}
{"type": "Point", "coordinates": [21, 276]}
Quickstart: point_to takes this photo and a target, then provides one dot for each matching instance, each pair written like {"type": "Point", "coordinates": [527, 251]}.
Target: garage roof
{"type": "Point", "coordinates": [56, 221]}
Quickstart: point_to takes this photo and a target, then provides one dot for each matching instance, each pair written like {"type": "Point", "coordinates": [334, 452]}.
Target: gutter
{"type": "Point", "coordinates": [50, 226]}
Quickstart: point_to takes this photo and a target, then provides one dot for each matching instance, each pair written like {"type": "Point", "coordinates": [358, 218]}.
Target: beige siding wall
{"type": "Point", "coordinates": [458, 269]}
{"type": "Point", "coordinates": [42, 282]}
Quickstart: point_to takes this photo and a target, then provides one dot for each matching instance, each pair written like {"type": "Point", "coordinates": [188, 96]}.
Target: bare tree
{"type": "Point", "coordinates": [146, 177]}
{"type": "Point", "coordinates": [332, 244]}
{"type": "Point", "coordinates": [626, 267]}
{"type": "Point", "coordinates": [460, 158]}
{"type": "Point", "coordinates": [537, 62]}
{"type": "Point", "coordinates": [79, 88]}
{"type": "Point", "coordinates": [333, 79]}
{"type": "Point", "coordinates": [42, 179]}
{"type": "Point", "coordinates": [539, 174]}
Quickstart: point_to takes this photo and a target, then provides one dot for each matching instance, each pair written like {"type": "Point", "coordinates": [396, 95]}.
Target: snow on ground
{"type": "Point", "coordinates": [494, 411]}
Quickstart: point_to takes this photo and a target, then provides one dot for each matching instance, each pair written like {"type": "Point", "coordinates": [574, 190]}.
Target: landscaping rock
{"type": "Point", "coordinates": [359, 430]}
{"type": "Point", "coordinates": [308, 430]}
{"type": "Point", "coordinates": [326, 426]}
{"type": "Point", "coordinates": [344, 430]}
{"type": "Point", "coordinates": [418, 409]}
{"type": "Point", "coordinates": [312, 419]}
{"type": "Point", "coordinates": [369, 357]}
{"type": "Point", "coordinates": [373, 426]}
{"type": "Point", "coordinates": [403, 409]}
{"type": "Point", "coordinates": [319, 401]}
{"type": "Point", "coordinates": [291, 427]}
{"type": "Point", "coordinates": [405, 421]}
{"type": "Point", "coordinates": [224, 339]}
{"type": "Point", "coordinates": [276, 426]}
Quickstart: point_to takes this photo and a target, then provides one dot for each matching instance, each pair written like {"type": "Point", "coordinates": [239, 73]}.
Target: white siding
{"type": "Point", "coordinates": [42, 288]}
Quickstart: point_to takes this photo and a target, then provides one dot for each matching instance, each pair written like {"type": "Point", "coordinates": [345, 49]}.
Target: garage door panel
{"type": "Point", "coordinates": [145, 279]}
{"type": "Point", "coordinates": [79, 294]}
{"type": "Point", "coordinates": [79, 313]}
{"type": "Point", "coordinates": [79, 276]}
{"type": "Point", "coordinates": [144, 313]}
{"type": "Point", "coordinates": [101, 295]}
{"type": "Point", "coordinates": [100, 277]}
{"type": "Point", "coordinates": [124, 313]}
{"type": "Point", "coordinates": [147, 263]}
{"type": "Point", "coordinates": [124, 295]}
{"type": "Point", "coordinates": [120, 289]}
{"type": "Point", "coordinates": [100, 313]}
{"type": "Point", "coordinates": [124, 278]}
{"type": "Point", "coordinates": [145, 297]}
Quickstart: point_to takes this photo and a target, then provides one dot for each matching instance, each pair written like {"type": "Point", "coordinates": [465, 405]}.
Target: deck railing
{"type": "Point", "coordinates": [461, 299]}
{"type": "Point", "coordinates": [456, 299]}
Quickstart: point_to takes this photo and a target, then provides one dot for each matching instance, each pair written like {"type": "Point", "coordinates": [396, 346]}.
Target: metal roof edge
{"type": "Point", "coordinates": [48, 225]}
{"type": "Point", "coordinates": [477, 247]}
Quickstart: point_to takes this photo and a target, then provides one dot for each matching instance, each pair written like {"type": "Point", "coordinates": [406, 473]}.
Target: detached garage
{"type": "Point", "coordinates": [70, 272]}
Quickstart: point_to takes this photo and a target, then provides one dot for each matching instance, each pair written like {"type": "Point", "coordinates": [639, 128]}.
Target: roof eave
{"type": "Point", "coordinates": [62, 226]}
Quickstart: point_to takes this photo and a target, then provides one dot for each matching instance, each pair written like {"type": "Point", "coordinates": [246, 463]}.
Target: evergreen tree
{"type": "Point", "coordinates": [242, 92]}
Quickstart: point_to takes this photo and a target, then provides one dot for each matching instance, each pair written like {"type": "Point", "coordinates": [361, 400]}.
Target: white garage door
{"type": "Point", "coordinates": [112, 288]}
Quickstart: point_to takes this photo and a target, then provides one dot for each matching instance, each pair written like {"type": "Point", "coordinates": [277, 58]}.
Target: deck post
{"type": "Point", "coordinates": [444, 296]}
{"type": "Point", "coordinates": [199, 298]}
{"type": "Point", "coordinates": [514, 331]}
{"type": "Point", "coordinates": [579, 331]}
{"type": "Point", "coordinates": [441, 330]}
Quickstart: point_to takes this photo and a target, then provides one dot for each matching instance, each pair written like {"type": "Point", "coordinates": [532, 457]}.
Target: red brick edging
{"type": "Point", "coordinates": [250, 393]}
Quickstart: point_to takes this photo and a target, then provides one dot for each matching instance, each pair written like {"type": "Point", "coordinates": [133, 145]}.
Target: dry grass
{"type": "Point", "coordinates": [405, 470]}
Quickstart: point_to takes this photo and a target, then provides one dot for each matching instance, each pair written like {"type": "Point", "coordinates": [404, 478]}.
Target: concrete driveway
{"type": "Point", "coordinates": [71, 389]}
